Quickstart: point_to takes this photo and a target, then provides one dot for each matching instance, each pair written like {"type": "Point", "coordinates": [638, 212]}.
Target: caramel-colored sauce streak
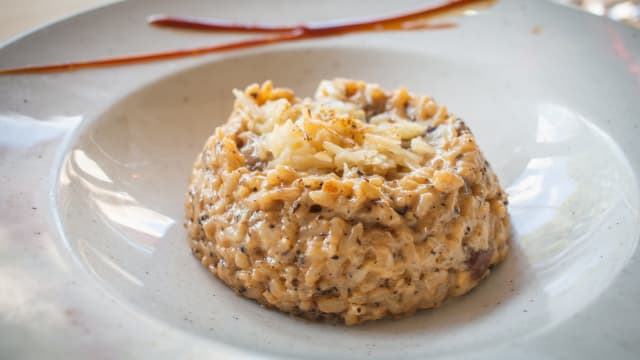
{"type": "Point", "coordinates": [214, 25]}
{"type": "Point", "coordinates": [397, 22]}
{"type": "Point", "coordinates": [408, 21]}
{"type": "Point", "coordinates": [152, 57]}
{"type": "Point", "coordinates": [219, 26]}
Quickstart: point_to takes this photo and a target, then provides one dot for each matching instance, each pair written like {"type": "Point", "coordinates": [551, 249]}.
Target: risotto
{"type": "Point", "coordinates": [355, 205]}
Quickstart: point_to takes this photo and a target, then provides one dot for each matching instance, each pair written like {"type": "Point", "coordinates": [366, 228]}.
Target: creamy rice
{"type": "Point", "coordinates": [358, 204]}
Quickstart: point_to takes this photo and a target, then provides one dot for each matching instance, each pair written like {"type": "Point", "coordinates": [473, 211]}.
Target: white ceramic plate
{"type": "Point", "coordinates": [94, 261]}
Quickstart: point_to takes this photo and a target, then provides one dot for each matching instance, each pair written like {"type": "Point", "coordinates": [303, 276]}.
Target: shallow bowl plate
{"type": "Point", "coordinates": [95, 163]}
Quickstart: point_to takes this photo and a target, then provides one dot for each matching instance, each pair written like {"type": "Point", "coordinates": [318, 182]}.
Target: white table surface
{"type": "Point", "coordinates": [20, 16]}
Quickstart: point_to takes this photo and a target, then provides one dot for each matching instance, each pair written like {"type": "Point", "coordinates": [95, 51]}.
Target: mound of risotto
{"type": "Point", "coordinates": [355, 205]}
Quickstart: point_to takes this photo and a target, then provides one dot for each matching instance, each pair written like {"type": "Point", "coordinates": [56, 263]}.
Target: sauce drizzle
{"type": "Point", "coordinates": [409, 21]}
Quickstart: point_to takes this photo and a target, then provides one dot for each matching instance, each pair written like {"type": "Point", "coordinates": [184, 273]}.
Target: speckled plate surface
{"type": "Point", "coordinates": [94, 261]}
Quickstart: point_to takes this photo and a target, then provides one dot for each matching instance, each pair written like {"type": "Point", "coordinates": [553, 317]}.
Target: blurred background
{"type": "Point", "coordinates": [627, 11]}
{"type": "Point", "coordinates": [19, 16]}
